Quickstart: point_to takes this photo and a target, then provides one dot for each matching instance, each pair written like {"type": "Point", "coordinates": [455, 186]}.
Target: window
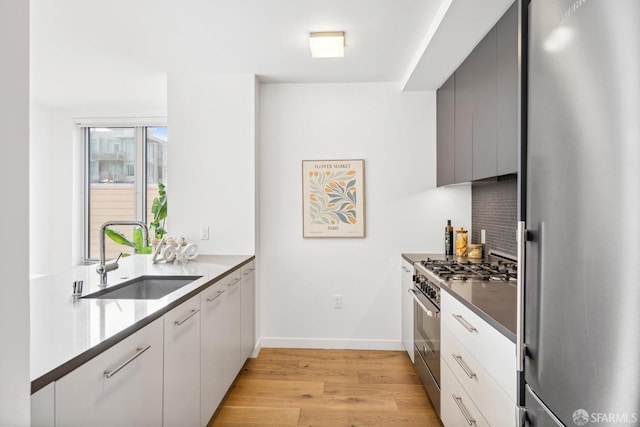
{"type": "Point", "coordinates": [124, 166]}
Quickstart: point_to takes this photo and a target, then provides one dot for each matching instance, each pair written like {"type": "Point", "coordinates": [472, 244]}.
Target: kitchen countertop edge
{"type": "Point", "coordinates": [75, 362]}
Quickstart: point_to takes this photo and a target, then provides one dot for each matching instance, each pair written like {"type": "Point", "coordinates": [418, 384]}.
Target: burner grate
{"type": "Point", "coordinates": [467, 270]}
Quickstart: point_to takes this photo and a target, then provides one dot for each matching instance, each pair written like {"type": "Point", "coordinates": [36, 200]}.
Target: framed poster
{"type": "Point", "coordinates": [333, 198]}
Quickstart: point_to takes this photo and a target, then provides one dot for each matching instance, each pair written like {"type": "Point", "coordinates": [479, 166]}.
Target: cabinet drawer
{"type": "Point", "coordinates": [456, 407]}
{"type": "Point", "coordinates": [101, 392]}
{"type": "Point", "coordinates": [495, 405]}
{"type": "Point", "coordinates": [489, 347]}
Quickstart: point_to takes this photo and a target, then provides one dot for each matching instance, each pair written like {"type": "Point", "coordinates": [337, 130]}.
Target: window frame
{"type": "Point", "coordinates": [140, 170]}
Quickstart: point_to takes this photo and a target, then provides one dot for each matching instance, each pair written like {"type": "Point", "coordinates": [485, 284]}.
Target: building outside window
{"type": "Point", "coordinates": [124, 166]}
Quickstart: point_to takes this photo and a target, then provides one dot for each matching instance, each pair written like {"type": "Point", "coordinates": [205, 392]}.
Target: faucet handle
{"type": "Point", "coordinates": [114, 265]}
{"type": "Point", "coordinates": [102, 269]}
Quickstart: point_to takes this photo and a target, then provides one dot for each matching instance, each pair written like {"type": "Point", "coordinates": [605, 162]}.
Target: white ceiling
{"type": "Point", "coordinates": [99, 52]}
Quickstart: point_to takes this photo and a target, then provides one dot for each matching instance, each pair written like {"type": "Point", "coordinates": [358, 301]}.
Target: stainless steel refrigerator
{"type": "Point", "coordinates": [581, 194]}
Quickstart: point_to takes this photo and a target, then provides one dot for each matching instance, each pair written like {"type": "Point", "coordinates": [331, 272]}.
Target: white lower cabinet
{"type": "Point", "coordinates": [181, 404]}
{"type": "Point", "coordinates": [214, 343]}
{"type": "Point", "coordinates": [233, 360]}
{"type": "Point", "coordinates": [478, 365]}
{"type": "Point", "coordinates": [43, 407]}
{"type": "Point", "coordinates": [172, 372]}
{"type": "Point", "coordinates": [120, 387]}
{"type": "Point", "coordinates": [407, 307]}
{"type": "Point", "coordinates": [248, 321]}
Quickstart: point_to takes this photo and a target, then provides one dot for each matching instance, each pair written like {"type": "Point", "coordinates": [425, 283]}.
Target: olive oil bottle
{"type": "Point", "coordinates": [448, 239]}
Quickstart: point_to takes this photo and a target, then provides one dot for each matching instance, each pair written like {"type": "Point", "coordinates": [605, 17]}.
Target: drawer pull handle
{"type": "Point", "coordinates": [468, 326]}
{"type": "Point", "coordinates": [234, 283]}
{"type": "Point", "coordinates": [249, 271]}
{"type": "Point", "coordinates": [189, 316]}
{"type": "Point", "coordinates": [217, 295]}
{"type": "Point", "coordinates": [463, 365]}
{"type": "Point", "coordinates": [139, 351]}
{"type": "Point", "coordinates": [464, 410]}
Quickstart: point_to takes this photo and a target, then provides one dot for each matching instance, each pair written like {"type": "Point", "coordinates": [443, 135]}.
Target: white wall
{"type": "Point", "coordinates": [394, 133]}
{"type": "Point", "coordinates": [14, 215]}
{"type": "Point", "coordinates": [211, 177]}
{"type": "Point", "coordinates": [55, 215]}
{"type": "Point", "coordinates": [41, 206]}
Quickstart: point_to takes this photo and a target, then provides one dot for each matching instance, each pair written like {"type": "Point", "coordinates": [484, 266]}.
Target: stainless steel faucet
{"type": "Point", "coordinates": [103, 268]}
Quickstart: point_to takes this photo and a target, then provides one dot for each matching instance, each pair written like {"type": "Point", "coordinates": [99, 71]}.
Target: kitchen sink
{"type": "Point", "coordinates": [144, 287]}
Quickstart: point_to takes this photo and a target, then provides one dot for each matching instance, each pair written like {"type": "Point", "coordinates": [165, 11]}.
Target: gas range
{"type": "Point", "coordinates": [451, 269]}
{"type": "Point", "coordinates": [429, 272]}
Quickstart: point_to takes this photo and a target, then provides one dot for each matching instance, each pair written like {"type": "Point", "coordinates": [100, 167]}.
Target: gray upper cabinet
{"type": "Point", "coordinates": [445, 132]}
{"type": "Point", "coordinates": [485, 105]}
{"type": "Point", "coordinates": [463, 118]}
{"type": "Point", "coordinates": [507, 55]}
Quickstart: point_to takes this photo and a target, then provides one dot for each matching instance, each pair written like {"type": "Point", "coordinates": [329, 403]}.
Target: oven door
{"type": "Point", "coordinates": [427, 345]}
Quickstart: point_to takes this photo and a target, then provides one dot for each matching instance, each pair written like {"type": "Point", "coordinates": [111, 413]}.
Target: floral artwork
{"type": "Point", "coordinates": [333, 198]}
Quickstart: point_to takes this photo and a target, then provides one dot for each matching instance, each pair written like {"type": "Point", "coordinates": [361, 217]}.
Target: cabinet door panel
{"type": "Point", "coordinates": [463, 148]}
{"type": "Point", "coordinates": [221, 357]}
{"type": "Point", "coordinates": [407, 308]}
{"type": "Point", "coordinates": [131, 397]}
{"type": "Point", "coordinates": [248, 295]}
{"type": "Point", "coordinates": [483, 59]}
{"type": "Point", "coordinates": [507, 57]}
{"type": "Point", "coordinates": [182, 365]}
{"type": "Point", "coordinates": [446, 132]}
{"type": "Point", "coordinates": [43, 407]}
{"type": "Point", "coordinates": [213, 345]}
{"type": "Point", "coordinates": [233, 356]}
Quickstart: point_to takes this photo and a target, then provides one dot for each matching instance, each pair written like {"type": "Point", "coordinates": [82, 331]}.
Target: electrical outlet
{"type": "Point", "coordinates": [483, 237]}
{"type": "Point", "coordinates": [337, 301]}
{"type": "Point", "coordinates": [204, 233]}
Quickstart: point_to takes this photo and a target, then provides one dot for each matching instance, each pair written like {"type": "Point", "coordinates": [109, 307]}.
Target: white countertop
{"type": "Point", "coordinates": [64, 328]}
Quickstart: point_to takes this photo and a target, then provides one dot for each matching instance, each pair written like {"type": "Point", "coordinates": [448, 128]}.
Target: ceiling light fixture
{"type": "Point", "coordinates": [327, 44]}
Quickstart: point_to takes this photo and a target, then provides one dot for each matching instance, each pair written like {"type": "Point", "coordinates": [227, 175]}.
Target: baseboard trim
{"type": "Point", "coordinates": [334, 344]}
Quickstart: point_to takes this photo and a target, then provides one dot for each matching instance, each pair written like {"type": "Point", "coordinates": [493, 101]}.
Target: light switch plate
{"type": "Point", "coordinates": [337, 301]}
{"type": "Point", "coordinates": [204, 233]}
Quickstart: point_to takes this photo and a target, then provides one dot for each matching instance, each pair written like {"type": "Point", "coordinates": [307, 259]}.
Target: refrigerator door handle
{"type": "Point", "coordinates": [521, 237]}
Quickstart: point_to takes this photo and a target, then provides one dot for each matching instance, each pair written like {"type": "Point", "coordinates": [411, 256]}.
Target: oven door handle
{"type": "Point", "coordinates": [431, 313]}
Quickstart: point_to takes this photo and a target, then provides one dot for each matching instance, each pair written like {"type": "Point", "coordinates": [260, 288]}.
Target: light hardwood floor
{"type": "Point", "coordinates": [309, 387]}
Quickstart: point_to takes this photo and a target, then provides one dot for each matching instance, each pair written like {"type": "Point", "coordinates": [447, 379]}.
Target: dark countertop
{"type": "Point", "coordinates": [413, 258]}
{"type": "Point", "coordinates": [494, 301]}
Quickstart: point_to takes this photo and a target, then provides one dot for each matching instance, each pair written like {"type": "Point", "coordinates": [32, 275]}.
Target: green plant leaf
{"type": "Point", "coordinates": [118, 237]}
{"type": "Point", "coordinates": [137, 238]}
